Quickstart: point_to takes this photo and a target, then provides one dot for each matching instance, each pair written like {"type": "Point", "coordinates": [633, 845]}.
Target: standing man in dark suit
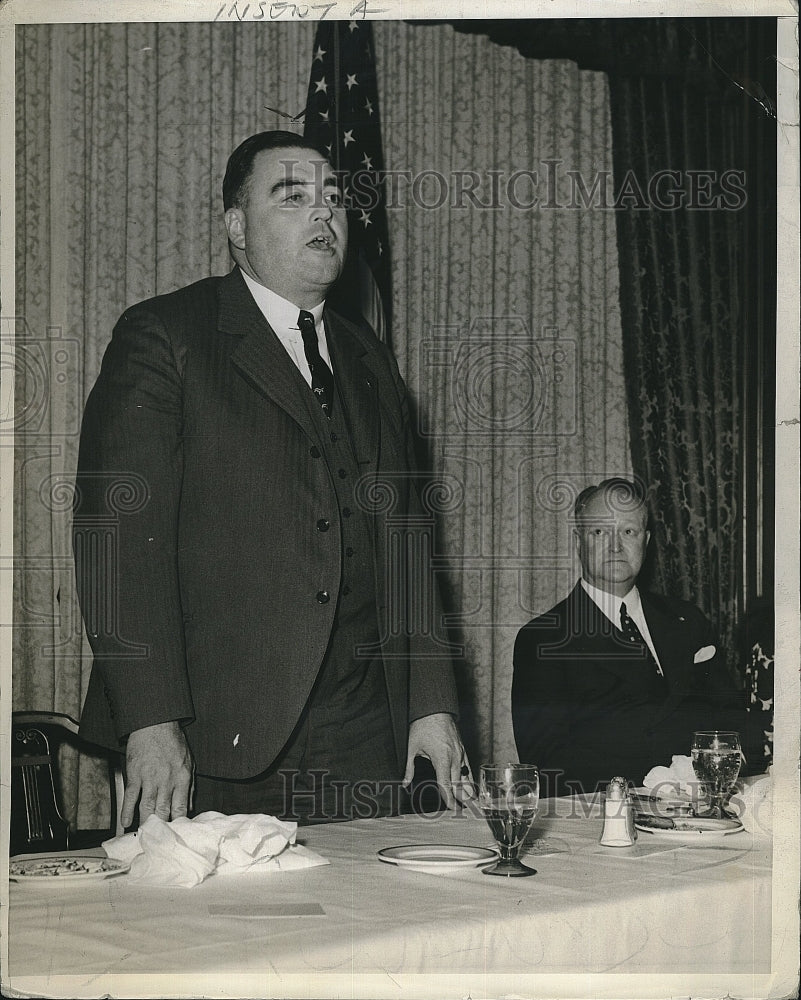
{"type": "Point", "coordinates": [614, 681]}
{"type": "Point", "coordinates": [244, 620]}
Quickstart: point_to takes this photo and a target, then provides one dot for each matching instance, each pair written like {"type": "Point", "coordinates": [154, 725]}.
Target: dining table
{"type": "Point", "coordinates": [665, 910]}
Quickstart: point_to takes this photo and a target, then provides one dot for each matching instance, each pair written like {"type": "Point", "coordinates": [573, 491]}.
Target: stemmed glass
{"type": "Point", "coordinates": [717, 757]}
{"type": "Point", "coordinates": [508, 795]}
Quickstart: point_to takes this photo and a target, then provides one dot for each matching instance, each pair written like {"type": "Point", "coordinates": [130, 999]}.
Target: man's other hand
{"type": "Point", "coordinates": [437, 738]}
{"type": "Point", "coordinates": [158, 773]}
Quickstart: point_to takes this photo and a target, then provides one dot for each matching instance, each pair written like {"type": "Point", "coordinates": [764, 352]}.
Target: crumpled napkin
{"type": "Point", "coordinates": [677, 780]}
{"type": "Point", "coordinates": [185, 851]}
{"type": "Point", "coordinates": [752, 804]}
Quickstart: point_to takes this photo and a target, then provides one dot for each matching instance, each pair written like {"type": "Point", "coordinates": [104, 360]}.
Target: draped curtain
{"type": "Point", "coordinates": [505, 319]}
{"type": "Point", "coordinates": [506, 327]}
{"type": "Point", "coordinates": [123, 131]}
{"type": "Point", "coordinates": [698, 309]}
{"type": "Point", "coordinates": [684, 316]}
{"type": "Point", "coordinates": [698, 287]}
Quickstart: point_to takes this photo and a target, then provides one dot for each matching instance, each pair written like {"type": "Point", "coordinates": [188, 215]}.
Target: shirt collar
{"type": "Point", "coordinates": [279, 312]}
{"type": "Point", "coordinates": [609, 604]}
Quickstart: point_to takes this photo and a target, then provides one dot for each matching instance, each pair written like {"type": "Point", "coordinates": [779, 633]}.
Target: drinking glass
{"type": "Point", "coordinates": [508, 795]}
{"type": "Point", "coordinates": [717, 757]}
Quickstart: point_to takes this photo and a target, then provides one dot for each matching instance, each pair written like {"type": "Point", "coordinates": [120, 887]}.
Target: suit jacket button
{"type": "Point", "coordinates": [314, 451]}
{"type": "Point", "coordinates": [323, 525]}
{"type": "Point", "coordinates": [323, 597]}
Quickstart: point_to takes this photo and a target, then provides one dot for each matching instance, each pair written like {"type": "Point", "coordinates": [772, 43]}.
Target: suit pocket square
{"type": "Point", "coordinates": [704, 653]}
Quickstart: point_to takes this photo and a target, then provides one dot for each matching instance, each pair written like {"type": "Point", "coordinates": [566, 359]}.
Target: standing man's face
{"type": "Point", "coordinates": [291, 233]}
{"type": "Point", "coordinates": [611, 542]}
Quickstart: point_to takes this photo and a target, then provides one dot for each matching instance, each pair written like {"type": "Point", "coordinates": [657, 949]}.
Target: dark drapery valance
{"type": "Point", "coordinates": [718, 55]}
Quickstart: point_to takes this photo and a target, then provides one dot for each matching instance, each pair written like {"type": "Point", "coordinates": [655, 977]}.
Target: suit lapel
{"type": "Point", "coordinates": [358, 388]}
{"type": "Point", "coordinates": [258, 354]}
{"type": "Point", "coordinates": [670, 642]}
{"type": "Point", "coordinates": [595, 638]}
{"type": "Point", "coordinates": [668, 632]}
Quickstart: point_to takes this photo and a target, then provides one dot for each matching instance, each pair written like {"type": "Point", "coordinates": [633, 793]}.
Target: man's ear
{"type": "Point", "coordinates": [647, 537]}
{"type": "Point", "coordinates": [235, 225]}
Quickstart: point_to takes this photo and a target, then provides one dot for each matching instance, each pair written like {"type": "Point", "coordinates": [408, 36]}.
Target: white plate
{"type": "Point", "coordinates": [49, 871]}
{"type": "Point", "coordinates": [437, 857]}
{"type": "Point", "coordinates": [696, 830]}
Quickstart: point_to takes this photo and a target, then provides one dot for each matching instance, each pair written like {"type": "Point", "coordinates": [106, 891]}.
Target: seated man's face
{"type": "Point", "coordinates": [610, 540]}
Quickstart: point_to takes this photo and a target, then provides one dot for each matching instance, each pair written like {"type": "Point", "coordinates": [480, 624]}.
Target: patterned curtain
{"type": "Point", "coordinates": [698, 284]}
{"type": "Point", "coordinates": [123, 131]}
{"type": "Point", "coordinates": [505, 318]}
{"type": "Point", "coordinates": [698, 326]}
{"type": "Point", "coordinates": [507, 329]}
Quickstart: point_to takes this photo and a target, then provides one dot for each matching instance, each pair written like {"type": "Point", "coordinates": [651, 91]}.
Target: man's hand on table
{"type": "Point", "coordinates": [437, 738]}
{"type": "Point", "coordinates": [158, 768]}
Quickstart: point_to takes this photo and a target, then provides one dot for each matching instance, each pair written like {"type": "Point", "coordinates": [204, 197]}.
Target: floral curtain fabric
{"type": "Point", "coordinates": [699, 337]}
{"type": "Point", "coordinates": [506, 319]}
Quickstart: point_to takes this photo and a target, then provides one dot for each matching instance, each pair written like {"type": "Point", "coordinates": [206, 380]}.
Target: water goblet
{"type": "Point", "coordinates": [716, 757]}
{"type": "Point", "coordinates": [508, 795]}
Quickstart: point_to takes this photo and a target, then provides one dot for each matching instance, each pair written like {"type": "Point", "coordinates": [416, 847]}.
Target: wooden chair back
{"type": "Point", "coordinates": [37, 814]}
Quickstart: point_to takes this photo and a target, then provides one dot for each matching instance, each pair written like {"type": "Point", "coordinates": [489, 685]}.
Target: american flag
{"type": "Point", "coordinates": [342, 116]}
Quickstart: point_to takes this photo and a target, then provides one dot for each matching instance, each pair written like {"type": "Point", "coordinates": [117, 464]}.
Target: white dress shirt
{"type": "Point", "coordinates": [609, 605]}
{"type": "Point", "coordinates": [282, 316]}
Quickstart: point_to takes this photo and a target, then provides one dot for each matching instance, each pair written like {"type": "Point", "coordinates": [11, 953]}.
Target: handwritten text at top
{"type": "Point", "coordinates": [274, 10]}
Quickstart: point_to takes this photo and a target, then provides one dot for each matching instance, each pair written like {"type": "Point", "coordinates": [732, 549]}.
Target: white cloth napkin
{"type": "Point", "coordinates": [752, 804]}
{"type": "Point", "coordinates": [677, 780]}
{"type": "Point", "coordinates": [185, 851]}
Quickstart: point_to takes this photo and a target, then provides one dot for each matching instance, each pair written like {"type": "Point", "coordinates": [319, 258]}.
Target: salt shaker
{"type": "Point", "coordinates": [618, 815]}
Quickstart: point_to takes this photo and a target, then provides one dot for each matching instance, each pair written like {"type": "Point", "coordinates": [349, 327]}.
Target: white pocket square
{"type": "Point", "coordinates": [704, 653]}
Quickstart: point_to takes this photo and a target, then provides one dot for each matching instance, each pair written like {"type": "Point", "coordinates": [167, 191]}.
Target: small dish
{"type": "Point", "coordinates": [437, 857]}
{"type": "Point", "coordinates": [51, 870]}
{"type": "Point", "coordinates": [693, 829]}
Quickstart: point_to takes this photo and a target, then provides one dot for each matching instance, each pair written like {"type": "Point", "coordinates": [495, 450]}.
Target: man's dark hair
{"type": "Point", "coordinates": [620, 495]}
{"type": "Point", "coordinates": [240, 162]}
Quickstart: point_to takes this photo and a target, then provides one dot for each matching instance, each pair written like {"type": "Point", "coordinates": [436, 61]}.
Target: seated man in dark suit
{"type": "Point", "coordinates": [614, 681]}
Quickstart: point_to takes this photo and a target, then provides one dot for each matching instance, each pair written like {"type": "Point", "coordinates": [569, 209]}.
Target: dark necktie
{"type": "Point", "coordinates": [322, 380]}
{"type": "Point", "coordinates": [629, 628]}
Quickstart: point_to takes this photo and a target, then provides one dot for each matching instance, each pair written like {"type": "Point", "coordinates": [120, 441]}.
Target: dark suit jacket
{"type": "Point", "coordinates": [201, 482]}
{"type": "Point", "coordinates": [581, 703]}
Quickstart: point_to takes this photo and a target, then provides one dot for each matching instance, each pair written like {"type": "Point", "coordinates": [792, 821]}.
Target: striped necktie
{"type": "Point", "coordinates": [631, 631]}
{"type": "Point", "coordinates": [322, 379]}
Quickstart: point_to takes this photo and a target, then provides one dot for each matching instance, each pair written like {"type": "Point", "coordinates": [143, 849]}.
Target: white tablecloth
{"type": "Point", "coordinates": [660, 907]}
